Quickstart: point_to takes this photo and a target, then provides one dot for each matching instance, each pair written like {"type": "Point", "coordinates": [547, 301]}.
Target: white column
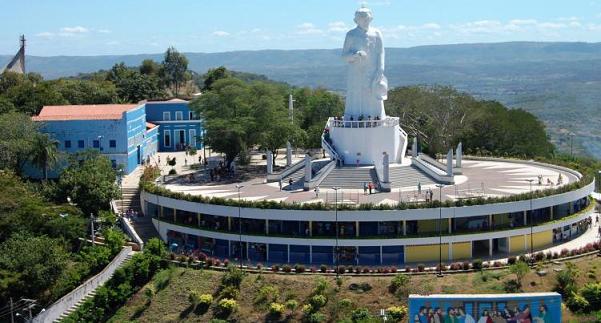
{"type": "Point", "coordinates": [385, 168]}
{"type": "Point", "coordinates": [307, 168]}
{"type": "Point", "coordinates": [381, 260]}
{"type": "Point", "coordinates": [267, 252]}
{"type": "Point", "coordinates": [269, 162]}
{"type": "Point", "coordinates": [459, 155]}
{"type": "Point", "coordinates": [288, 254]}
{"type": "Point", "coordinates": [490, 247]}
{"type": "Point", "coordinates": [310, 255]}
{"type": "Point", "coordinates": [450, 252]}
{"type": "Point", "coordinates": [414, 147]}
{"type": "Point", "coordinates": [288, 154]}
{"type": "Point", "coordinates": [450, 163]}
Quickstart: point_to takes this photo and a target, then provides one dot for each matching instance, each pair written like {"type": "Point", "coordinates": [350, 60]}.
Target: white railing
{"type": "Point", "coordinates": [288, 171]}
{"type": "Point", "coordinates": [364, 123]}
{"type": "Point", "coordinates": [331, 151]}
{"type": "Point", "coordinates": [68, 301]}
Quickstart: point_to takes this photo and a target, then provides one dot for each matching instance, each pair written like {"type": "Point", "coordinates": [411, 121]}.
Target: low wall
{"type": "Point", "coordinates": [66, 302]}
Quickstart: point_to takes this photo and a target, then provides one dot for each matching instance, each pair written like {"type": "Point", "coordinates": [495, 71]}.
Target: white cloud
{"type": "Point", "coordinates": [45, 34]}
{"type": "Point", "coordinates": [220, 33]}
{"type": "Point", "coordinates": [308, 28]}
{"type": "Point", "coordinates": [74, 30]}
{"type": "Point", "coordinates": [551, 25]}
{"type": "Point", "coordinates": [104, 31]}
{"type": "Point", "coordinates": [430, 25]}
{"type": "Point", "coordinates": [337, 27]}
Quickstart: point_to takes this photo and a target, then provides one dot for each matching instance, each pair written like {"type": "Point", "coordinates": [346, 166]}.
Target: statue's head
{"type": "Point", "coordinates": [363, 17]}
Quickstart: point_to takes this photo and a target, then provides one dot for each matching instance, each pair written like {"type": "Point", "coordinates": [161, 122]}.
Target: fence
{"type": "Point", "coordinates": [68, 301]}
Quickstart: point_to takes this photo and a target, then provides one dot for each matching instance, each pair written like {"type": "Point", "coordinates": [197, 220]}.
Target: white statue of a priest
{"type": "Point", "coordinates": [367, 86]}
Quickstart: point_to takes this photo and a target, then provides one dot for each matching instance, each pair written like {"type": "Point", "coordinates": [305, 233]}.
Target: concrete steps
{"type": "Point", "coordinates": [408, 176]}
{"type": "Point", "coordinates": [88, 295]}
{"type": "Point", "coordinates": [349, 177]}
{"type": "Point", "coordinates": [298, 179]}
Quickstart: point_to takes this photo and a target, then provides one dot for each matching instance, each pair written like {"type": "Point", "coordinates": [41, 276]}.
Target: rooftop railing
{"type": "Point", "coordinates": [365, 123]}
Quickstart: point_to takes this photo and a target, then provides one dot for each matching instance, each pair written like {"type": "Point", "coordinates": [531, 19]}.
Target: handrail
{"type": "Point", "coordinates": [365, 123]}
{"type": "Point", "coordinates": [329, 148]}
{"type": "Point", "coordinates": [320, 176]}
{"type": "Point", "coordinates": [286, 172]}
{"type": "Point", "coordinates": [66, 302]}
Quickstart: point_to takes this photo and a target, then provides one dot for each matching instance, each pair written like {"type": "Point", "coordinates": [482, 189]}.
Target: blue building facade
{"type": "Point", "coordinates": [179, 127]}
{"type": "Point", "coordinates": [128, 134]}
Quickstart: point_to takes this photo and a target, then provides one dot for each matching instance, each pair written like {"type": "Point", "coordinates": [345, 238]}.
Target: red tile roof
{"type": "Point", "coordinates": [83, 112]}
{"type": "Point", "coordinates": [150, 125]}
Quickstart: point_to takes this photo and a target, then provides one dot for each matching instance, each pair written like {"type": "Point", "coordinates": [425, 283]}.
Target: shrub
{"type": "Point", "coordinates": [511, 286]}
{"type": "Point", "coordinates": [497, 264]}
{"type": "Point", "coordinates": [313, 269]}
{"type": "Point", "coordinates": [209, 262]}
{"type": "Point", "coordinates": [555, 255]}
{"type": "Point", "coordinates": [299, 269]}
{"type": "Point", "coordinates": [477, 264]}
{"type": "Point", "coordinates": [307, 309]}
{"type": "Point", "coordinates": [291, 304]}
{"type": "Point", "coordinates": [421, 267]}
{"type": "Point", "coordinates": [172, 171]}
{"type": "Point", "coordinates": [466, 265]}
{"type": "Point", "coordinates": [230, 292]}
{"type": "Point", "coordinates": [194, 297]}
{"type": "Point", "coordinates": [455, 266]}
{"type": "Point", "coordinates": [226, 262]}
{"type": "Point", "coordinates": [226, 306]}
{"type": "Point", "coordinates": [592, 293]}
{"type": "Point", "coordinates": [233, 277]}
{"type": "Point", "coordinates": [399, 281]}
{"type": "Point", "coordinates": [565, 252]}
{"type": "Point", "coordinates": [511, 260]}
{"type": "Point", "coordinates": [566, 280]}
{"type": "Point", "coordinates": [316, 318]}
{"type": "Point", "coordinates": [202, 256]}
{"type": "Point", "coordinates": [360, 315]}
{"type": "Point", "coordinates": [267, 294]}
{"type": "Point", "coordinates": [287, 269]}
{"type": "Point", "coordinates": [275, 268]}
{"type": "Point", "coordinates": [576, 303]}
{"type": "Point", "coordinates": [205, 300]}
{"type": "Point", "coordinates": [318, 301]}
{"type": "Point", "coordinates": [321, 285]}
{"type": "Point", "coordinates": [345, 303]}
{"type": "Point", "coordinates": [539, 256]}
{"type": "Point", "coordinates": [341, 270]}
{"type": "Point", "coordinates": [323, 268]}
{"type": "Point", "coordinates": [276, 309]}
{"type": "Point", "coordinates": [396, 313]}
{"type": "Point", "coordinates": [365, 270]}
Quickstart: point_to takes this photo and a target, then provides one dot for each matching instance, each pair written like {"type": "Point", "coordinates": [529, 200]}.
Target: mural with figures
{"type": "Point", "coordinates": [486, 308]}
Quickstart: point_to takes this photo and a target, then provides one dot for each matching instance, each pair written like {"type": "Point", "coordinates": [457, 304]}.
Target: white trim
{"type": "Point", "coordinates": [409, 241]}
{"type": "Point", "coordinates": [372, 215]}
{"type": "Point", "coordinates": [192, 137]}
{"type": "Point", "coordinates": [165, 134]}
{"type": "Point", "coordinates": [179, 114]}
{"type": "Point", "coordinates": [167, 114]}
{"type": "Point", "coordinates": [176, 121]}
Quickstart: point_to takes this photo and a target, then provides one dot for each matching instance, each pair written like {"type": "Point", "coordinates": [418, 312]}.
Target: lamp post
{"type": "Point", "coordinates": [238, 186]}
{"type": "Point", "coordinates": [571, 134]}
{"type": "Point", "coordinates": [531, 224]}
{"type": "Point", "coordinates": [440, 186]}
{"type": "Point", "coordinates": [336, 188]}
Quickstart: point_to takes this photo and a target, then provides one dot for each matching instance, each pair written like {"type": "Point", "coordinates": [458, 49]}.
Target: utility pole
{"type": "Point", "coordinates": [530, 218]}
{"type": "Point", "coordinates": [440, 186]}
{"type": "Point", "coordinates": [92, 226]}
{"type": "Point", "coordinates": [12, 316]}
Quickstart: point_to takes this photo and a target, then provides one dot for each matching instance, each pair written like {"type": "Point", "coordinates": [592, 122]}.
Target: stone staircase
{"type": "Point", "coordinates": [408, 176]}
{"type": "Point", "coordinates": [130, 199]}
{"type": "Point", "coordinates": [349, 177]}
{"type": "Point", "coordinates": [298, 179]}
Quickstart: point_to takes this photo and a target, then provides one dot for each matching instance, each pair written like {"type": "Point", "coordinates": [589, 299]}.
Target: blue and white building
{"type": "Point", "coordinates": [128, 134]}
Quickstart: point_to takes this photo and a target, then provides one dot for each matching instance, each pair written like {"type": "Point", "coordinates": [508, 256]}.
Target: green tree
{"type": "Point", "coordinates": [519, 269]}
{"type": "Point", "coordinates": [18, 134]}
{"type": "Point", "coordinates": [86, 91]}
{"type": "Point", "coordinates": [213, 75]}
{"type": "Point", "coordinates": [150, 67]}
{"type": "Point", "coordinates": [175, 66]}
{"type": "Point", "coordinates": [114, 240]}
{"type": "Point", "coordinates": [90, 182]}
{"type": "Point", "coordinates": [6, 105]}
{"type": "Point", "coordinates": [38, 261]}
{"type": "Point", "coordinates": [44, 153]}
{"type": "Point", "coordinates": [132, 86]}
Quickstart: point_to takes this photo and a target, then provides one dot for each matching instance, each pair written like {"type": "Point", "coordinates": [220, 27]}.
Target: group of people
{"type": "Point", "coordinates": [221, 171]}
{"type": "Point", "coordinates": [459, 315]}
{"type": "Point", "coordinates": [363, 121]}
{"type": "Point", "coordinates": [368, 187]}
{"type": "Point", "coordinates": [131, 213]}
{"type": "Point", "coordinates": [549, 181]}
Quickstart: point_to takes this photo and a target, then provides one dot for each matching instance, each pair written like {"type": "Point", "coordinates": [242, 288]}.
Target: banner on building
{"type": "Point", "coordinates": [472, 308]}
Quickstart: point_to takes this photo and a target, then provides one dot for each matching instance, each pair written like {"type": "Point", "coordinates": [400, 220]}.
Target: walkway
{"type": "Point", "coordinates": [70, 302]}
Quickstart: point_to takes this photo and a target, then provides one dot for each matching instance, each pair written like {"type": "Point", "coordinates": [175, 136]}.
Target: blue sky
{"type": "Point", "coordinates": [93, 27]}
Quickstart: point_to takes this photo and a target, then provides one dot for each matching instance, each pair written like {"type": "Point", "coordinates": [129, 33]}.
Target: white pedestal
{"type": "Point", "coordinates": [366, 145]}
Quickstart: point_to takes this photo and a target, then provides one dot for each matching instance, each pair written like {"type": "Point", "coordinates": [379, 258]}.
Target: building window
{"type": "Point", "coordinates": [81, 144]}
{"type": "Point", "coordinates": [166, 116]}
{"type": "Point", "coordinates": [167, 139]}
{"type": "Point", "coordinates": [179, 115]}
{"type": "Point", "coordinates": [96, 144]}
{"type": "Point", "coordinates": [114, 163]}
{"type": "Point", "coordinates": [192, 141]}
{"type": "Point", "coordinates": [67, 143]}
{"type": "Point", "coordinates": [191, 115]}
{"type": "Point", "coordinates": [113, 143]}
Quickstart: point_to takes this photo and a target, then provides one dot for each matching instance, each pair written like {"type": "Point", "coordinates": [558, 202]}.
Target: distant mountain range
{"type": "Point", "coordinates": [559, 82]}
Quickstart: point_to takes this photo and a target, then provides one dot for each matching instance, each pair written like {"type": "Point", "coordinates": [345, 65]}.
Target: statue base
{"type": "Point", "coordinates": [364, 142]}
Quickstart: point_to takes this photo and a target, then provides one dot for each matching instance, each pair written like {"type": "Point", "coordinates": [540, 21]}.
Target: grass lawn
{"type": "Point", "coordinates": [169, 302]}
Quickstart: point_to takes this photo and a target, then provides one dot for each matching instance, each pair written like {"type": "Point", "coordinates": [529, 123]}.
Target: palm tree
{"type": "Point", "coordinates": [44, 153]}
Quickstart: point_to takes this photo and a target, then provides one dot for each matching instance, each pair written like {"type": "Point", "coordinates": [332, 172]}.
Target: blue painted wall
{"type": "Point", "coordinates": [176, 123]}
{"type": "Point", "coordinates": [517, 305]}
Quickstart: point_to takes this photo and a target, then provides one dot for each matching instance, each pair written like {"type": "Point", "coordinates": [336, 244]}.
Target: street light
{"type": "Point", "coordinates": [238, 186]}
{"type": "Point", "coordinates": [440, 186]}
{"type": "Point", "coordinates": [336, 188]}
{"type": "Point", "coordinates": [531, 224]}
{"type": "Point", "coordinates": [571, 134]}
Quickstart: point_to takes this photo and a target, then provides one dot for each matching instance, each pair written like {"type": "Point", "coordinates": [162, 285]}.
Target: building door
{"type": "Point", "coordinates": [192, 138]}
{"type": "Point", "coordinates": [182, 139]}
{"type": "Point", "coordinates": [138, 154]}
